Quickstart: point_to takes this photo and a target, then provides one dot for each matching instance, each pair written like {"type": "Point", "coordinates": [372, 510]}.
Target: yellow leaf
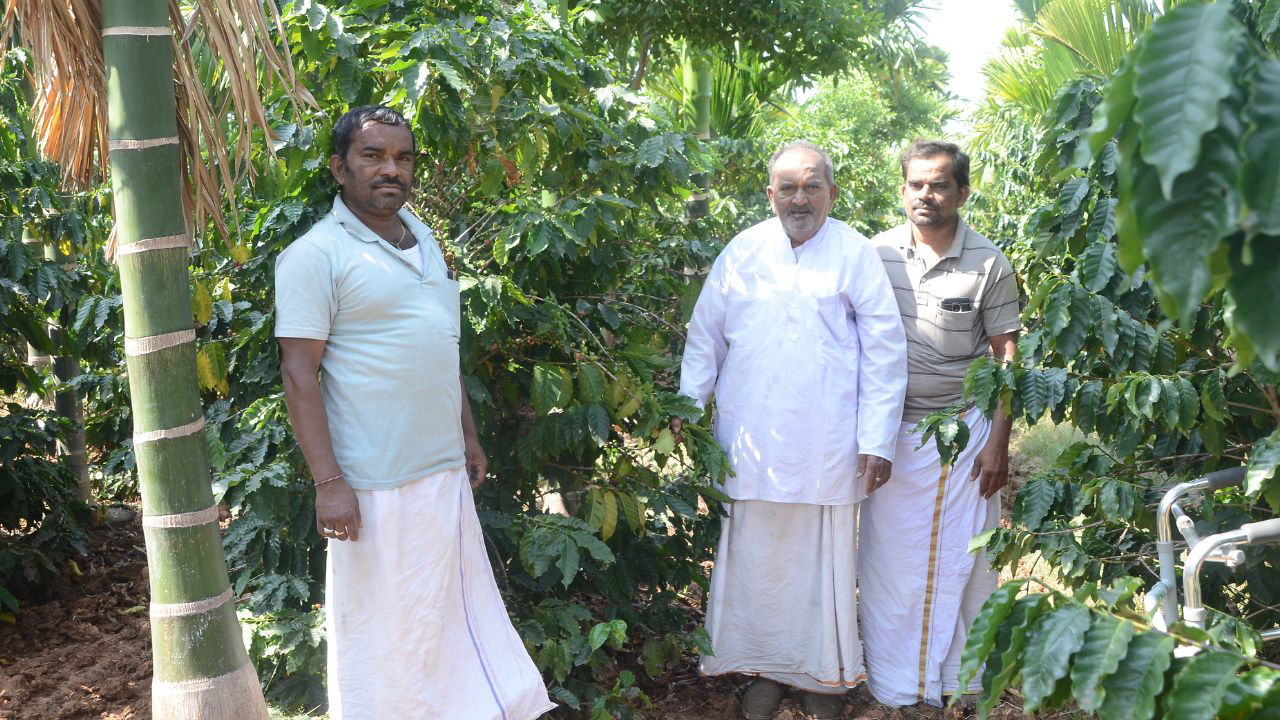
{"type": "Point", "coordinates": [495, 96]}
{"type": "Point", "coordinates": [595, 509]}
{"type": "Point", "coordinates": [75, 569]}
{"type": "Point", "coordinates": [204, 370]}
{"type": "Point", "coordinates": [201, 303]}
{"type": "Point", "coordinates": [9, 618]}
{"type": "Point", "coordinates": [224, 290]}
{"type": "Point", "coordinates": [610, 514]}
{"type": "Point", "coordinates": [240, 254]}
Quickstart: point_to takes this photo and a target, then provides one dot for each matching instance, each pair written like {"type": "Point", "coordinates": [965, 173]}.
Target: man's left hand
{"type": "Point", "coordinates": [991, 467]}
{"type": "Point", "coordinates": [477, 464]}
{"type": "Point", "coordinates": [876, 469]}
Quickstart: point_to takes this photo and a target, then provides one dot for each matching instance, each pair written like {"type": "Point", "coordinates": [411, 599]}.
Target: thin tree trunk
{"type": "Point", "coordinates": [642, 66]}
{"type": "Point", "coordinates": [66, 401]}
{"type": "Point", "coordinates": [201, 670]}
{"type": "Point", "coordinates": [36, 358]}
{"type": "Point", "coordinates": [698, 82]}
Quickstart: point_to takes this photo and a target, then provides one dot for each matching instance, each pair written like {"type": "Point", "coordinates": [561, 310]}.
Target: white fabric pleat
{"type": "Point", "coordinates": [416, 625]}
{"type": "Point", "coordinates": [897, 535]}
{"type": "Point", "coordinates": [783, 601]}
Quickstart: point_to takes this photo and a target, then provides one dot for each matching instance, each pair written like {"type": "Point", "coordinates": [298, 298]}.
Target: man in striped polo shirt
{"type": "Point", "coordinates": [920, 588]}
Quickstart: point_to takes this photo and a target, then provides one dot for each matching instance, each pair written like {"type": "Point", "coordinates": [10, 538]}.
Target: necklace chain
{"type": "Point", "coordinates": [404, 233]}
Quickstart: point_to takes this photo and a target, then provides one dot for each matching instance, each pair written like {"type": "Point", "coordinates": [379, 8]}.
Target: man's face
{"type": "Point", "coordinates": [800, 194]}
{"type": "Point", "coordinates": [377, 173]}
{"type": "Point", "coordinates": [930, 194]}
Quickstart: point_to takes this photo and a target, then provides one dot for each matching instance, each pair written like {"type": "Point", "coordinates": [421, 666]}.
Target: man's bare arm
{"type": "Point", "coordinates": [991, 468]}
{"type": "Point", "coordinates": [477, 464]}
{"type": "Point", "coordinates": [337, 509]}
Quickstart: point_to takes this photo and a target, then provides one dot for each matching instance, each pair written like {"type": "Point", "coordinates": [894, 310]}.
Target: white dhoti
{"type": "Point", "coordinates": [783, 602]}
{"type": "Point", "coordinates": [416, 626]}
{"type": "Point", "coordinates": [920, 588]}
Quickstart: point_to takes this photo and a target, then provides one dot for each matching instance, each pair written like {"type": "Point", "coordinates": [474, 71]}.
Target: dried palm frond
{"type": "Point", "coordinates": [219, 110]}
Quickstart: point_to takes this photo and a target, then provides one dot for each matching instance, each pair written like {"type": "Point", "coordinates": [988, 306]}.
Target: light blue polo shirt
{"type": "Point", "coordinates": [389, 375]}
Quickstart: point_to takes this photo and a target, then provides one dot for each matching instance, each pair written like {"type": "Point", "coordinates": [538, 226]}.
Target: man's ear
{"type": "Point", "coordinates": [337, 168]}
{"type": "Point", "coordinates": [964, 196]}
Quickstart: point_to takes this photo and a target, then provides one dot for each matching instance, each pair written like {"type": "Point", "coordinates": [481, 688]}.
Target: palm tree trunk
{"type": "Point", "coordinates": [201, 670]}
{"type": "Point", "coordinates": [698, 84]}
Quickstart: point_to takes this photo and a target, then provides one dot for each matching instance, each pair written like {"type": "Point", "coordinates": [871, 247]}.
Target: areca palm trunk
{"type": "Point", "coordinates": [201, 669]}
{"type": "Point", "coordinates": [698, 84]}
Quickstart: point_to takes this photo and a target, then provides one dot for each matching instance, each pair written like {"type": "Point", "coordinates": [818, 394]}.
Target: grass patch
{"type": "Point", "coordinates": [1034, 448]}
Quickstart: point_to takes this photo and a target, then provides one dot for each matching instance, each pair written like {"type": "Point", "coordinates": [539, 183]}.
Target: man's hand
{"type": "Point", "coordinates": [477, 463]}
{"type": "Point", "coordinates": [991, 467]}
{"type": "Point", "coordinates": [876, 469]}
{"type": "Point", "coordinates": [337, 511]}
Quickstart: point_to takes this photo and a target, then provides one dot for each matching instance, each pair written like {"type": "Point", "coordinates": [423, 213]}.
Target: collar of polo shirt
{"type": "Point", "coordinates": [360, 231]}
{"type": "Point", "coordinates": [907, 241]}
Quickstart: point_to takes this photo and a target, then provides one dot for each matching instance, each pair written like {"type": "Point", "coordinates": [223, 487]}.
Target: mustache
{"type": "Point", "coordinates": [920, 205]}
{"type": "Point", "coordinates": [390, 183]}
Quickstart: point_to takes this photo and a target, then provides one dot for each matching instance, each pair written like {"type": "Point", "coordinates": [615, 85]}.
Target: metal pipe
{"type": "Point", "coordinates": [1151, 601]}
{"type": "Point", "coordinates": [1192, 606]}
{"type": "Point", "coordinates": [1254, 533]}
{"type": "Point", "coordinates": [1164, 531]}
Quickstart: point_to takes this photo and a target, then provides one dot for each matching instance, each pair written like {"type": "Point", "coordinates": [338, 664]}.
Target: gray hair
{"type": "Point", "coordinates": [804, 145]}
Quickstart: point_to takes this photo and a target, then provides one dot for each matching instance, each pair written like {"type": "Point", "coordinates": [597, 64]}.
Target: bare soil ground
{"type": "Point", "coordinates": [717, 699]}
{"type": "Point", "coordinates": [82, 651]}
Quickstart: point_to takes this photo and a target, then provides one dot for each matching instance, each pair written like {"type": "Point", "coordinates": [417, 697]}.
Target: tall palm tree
{"type": "Point", "coordinates": [105, 90]}
{"type": "Point", "coordinates": [1058, 41]}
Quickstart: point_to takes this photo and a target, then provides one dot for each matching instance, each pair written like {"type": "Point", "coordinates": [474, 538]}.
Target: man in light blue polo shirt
{"type": "Point", "coordinates": [368, 323]}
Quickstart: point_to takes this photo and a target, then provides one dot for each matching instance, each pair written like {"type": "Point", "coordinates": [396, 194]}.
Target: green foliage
{"type": "Point", "coordinates": [39, 532]}
{"type": "Point", "coordinates": [536, 161]}
{"type": "Point", "coordinates": [1100, 350]}
{"type": "Point", "coordinates": [1144, 263]}
{"type": "Point", "coordinates": [289, 650]}
{"type": "Point", "coordinates": [1099, 652]}
{"type": "Point", "coordinates": [820, 37]}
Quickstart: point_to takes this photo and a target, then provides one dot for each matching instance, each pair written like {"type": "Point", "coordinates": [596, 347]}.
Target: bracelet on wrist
{"type": "Point", "coordinates": [318, 483]}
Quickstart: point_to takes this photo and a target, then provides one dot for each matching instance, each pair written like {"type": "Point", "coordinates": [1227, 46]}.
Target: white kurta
{"type": "Point", "coordinates": [806, 358]}
{"type": "Point", "coordinates": [919, 586]}
{"type": "Point", "coordinates": [417, 627]}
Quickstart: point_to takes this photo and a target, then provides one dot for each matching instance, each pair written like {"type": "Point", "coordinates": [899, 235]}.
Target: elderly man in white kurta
{"type": "Point", "coordinates": [797, 337]}
{"type": "Point", "coordinates": [921, 588]}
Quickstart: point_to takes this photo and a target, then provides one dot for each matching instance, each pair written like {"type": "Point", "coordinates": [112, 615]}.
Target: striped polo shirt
{"type": "Point", "coordinates": [951, 306]}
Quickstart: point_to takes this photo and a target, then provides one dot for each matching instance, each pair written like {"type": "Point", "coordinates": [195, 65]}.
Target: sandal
{"type": "Point", "coordinates": [822, 706]}
{"type": "Point", "coordinates": [761, 699]}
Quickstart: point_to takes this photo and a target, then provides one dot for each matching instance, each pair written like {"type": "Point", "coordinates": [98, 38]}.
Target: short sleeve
{"type": "Point", "coordinates": [1000, 311]}
{"type": "Point", "coordinates": [305, 302]}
